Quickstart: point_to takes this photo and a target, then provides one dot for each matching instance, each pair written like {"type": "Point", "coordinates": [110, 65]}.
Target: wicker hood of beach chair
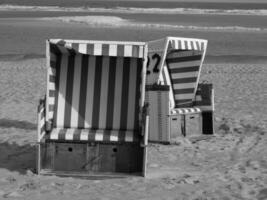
{"type": "Point", "coordinates": [178, 62]}
{"type": "Point", "coordinates": [95, 98]}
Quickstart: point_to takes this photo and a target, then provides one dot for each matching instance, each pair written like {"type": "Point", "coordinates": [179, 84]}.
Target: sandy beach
{"type": "Point", "coordinates": [229, 165]}
{"type": "Point", "coordinates": [232, 164]}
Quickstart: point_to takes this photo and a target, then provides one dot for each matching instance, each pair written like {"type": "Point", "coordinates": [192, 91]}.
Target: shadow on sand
{"type": "Point", "coordinates": [10, 123]}
{"type": "Point", "coordinates": [16, 157]}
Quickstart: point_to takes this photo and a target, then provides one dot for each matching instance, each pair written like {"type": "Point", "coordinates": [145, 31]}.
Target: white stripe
{"type": "Point", "coordinates": [132, 94]}
{"type": "Point", "coordinates": [90, 92]}
{"type": "Point", "coordinates": [51, 100]}
{"type": "Point", "coordinates": [104, 93]}
{"type": "Point", "coordinates": [184, 96]}
{"type": "Point", "coordinates": [68, 45]}
{"type": "Point", "coordinates": [53, 57]}
{"type": "Point", "coordinates": [128, 50]}
{"type": "Point", "coordinates": [76, 91]}
{"type": "Point", "coordinates": [183, 44]}
{"type": "Point", "coordinates": [184, 64]}
{"type": "Point", "coordinates": [50, 114]}
{"type": "Point", "coordinates": [83, 48]}
{"type": "Point", "coordinates": [69, 134]}
{"type": "Point", "coordinates": [189, 45]}
{"type": "Point", "coordinates": [184, 75]}
{"type": "Point", "coordinates": [54, 134]}
{"type": "Point", "coordinates": [118, 93]}
{"type": "Point", "coordinates": [113, 50]}
{"type": "Point", "coordinates": [129, 136]}
{"type": "Point", "coordinates": [99, 135]}
{"type": "Point", "coordinates": [62, 91]}
{"type": "Point", "coordinates": [42, 122]}
{"type": "Point", "coordinates": [114, 136]}
{"type": "Point", "coordinates": [51, 86]}
{"type": "Point", "coordinates": [84, 135]}
{"type": "Point", "coordinates": [98, 49]}
{"type": "Point", "coordinates": [183, 85]}
{"type": "Point", "coordinates": [141, 51]}
{"type": "Point", "coordinates": [176, 44]}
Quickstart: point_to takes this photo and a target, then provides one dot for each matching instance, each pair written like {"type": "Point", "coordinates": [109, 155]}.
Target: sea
{"type": "Point", "coordinates": [236, 31]}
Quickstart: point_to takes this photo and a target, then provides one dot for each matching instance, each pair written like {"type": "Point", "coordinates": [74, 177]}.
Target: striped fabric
{"type": "Point", "coordinates": [183, 69]}
{"type": "Point", "coordinates": [91, 135]}
{"type": "Point", "coordinates": [100, 48]}
{"type": "Point", "coordinates": [94, 92]}
{"type": "Point", "coordinates": [41, 120]}
{"type": "Point", "coordinates": [187, 44]}
{"type": "Point", "coordinates": [183, 111]}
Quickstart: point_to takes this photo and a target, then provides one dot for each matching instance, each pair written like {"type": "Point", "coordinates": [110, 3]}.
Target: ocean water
{"type": "Point", "coordinates": [236, 31]}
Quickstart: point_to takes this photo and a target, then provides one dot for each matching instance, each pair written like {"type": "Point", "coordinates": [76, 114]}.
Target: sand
{"type": "Point", "coordinates": [232, 164]}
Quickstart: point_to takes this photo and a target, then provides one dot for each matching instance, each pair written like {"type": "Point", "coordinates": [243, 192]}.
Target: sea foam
{"type": "Point", "coordinates": [112, 21]}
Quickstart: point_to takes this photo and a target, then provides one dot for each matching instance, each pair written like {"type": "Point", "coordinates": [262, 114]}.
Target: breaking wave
{"type": "Point", "coordinates": [135, 10]}
{"type": "Point", "coordinates": [112, 21]}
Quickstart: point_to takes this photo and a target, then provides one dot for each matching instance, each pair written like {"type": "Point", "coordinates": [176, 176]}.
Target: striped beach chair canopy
{"type": "Point", "coordinates": [95, 90]}
{"type": "Point", "coordinates": [183, 58]}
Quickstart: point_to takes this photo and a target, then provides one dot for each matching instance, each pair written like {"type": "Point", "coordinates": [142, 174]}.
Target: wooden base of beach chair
{"type": "Point", "coordinates": [91, 159]}
{"type": "Point", "coordinates": [185, 125]}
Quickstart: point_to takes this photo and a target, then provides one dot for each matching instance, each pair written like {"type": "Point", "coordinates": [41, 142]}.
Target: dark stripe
{"type": "Point", "coordinates": [51, 108]}
{"type": "Point", "coordinates": [198, 46]}
{"type": "Point", "coordinates": [138, 93]}
{"type": "Point", "coordinates": [183, 59]}
{"type": "Point", "coordinates": [105, 49]}
{"type": "Point", "coordinates": [120, 50]}
{"type": "Point", "coordinates": [184, 91]}
{"type": "Point", "coordinates": [124, 96]}
{"type": "Point", "coordinates": [52, 64]}
{"type": "Point", "coordinates": [90, 49]}
{"type": "Point", "coordinates": [121, 136]}
{"type": "Point", "coordinates": [75, 47]}
{"type": "Point", "coordinates": [111, 92]}
{"type": "Point", "coordinates": [71, 51]}
{"type": "Point", "coordinates": [52, 78]}
{"type": "Point", "coordinates": [186, 44]}
{"type": "Point", "coordinates": [136, 51]}
{"type": "Point", "coordinates": [97, 92]}
{"type": "Point", "coordinates": [136, 136]}
{"type": "Point", "coordinates": [83, 89]}
{"type": "Point", "coordinates": [58, 66]}
{"type": "Point", "coordinates": [192, 45]}
{"type": "Point", "coordinates": [54, 49]}
{"type": "Point", "coordinates": [202, 46]}
{"type": "Point", "coordinates": [183, 103]}
{"type": "Point", "coordinates": [52, 93]}
{"type": "Point", "coordinates": [77, 135]}
{"type": "Point", "coordinates": [91, 136]}
{"type": "Point", "coordinates": [106, 135]}
{"type": "Point", "coordinates": [185, 80]}
{"type": "Point", "coordinates": [69, 91]}
{"type": "Point", "coordinates": [184, 69]}
{"type": "Point", "coordinates": [62, 134]}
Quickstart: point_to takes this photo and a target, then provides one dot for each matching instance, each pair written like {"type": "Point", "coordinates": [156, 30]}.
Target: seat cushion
{"type": "Point", "coordinates": [90, 135]}
{"type": "Point", "coordinates": [183, 111]}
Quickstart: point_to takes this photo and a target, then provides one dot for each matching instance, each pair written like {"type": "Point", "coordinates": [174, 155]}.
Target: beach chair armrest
{"type": "Point", "coordinates": [145, 124]}
{"type": "Point", "coordinates": [41, 125]}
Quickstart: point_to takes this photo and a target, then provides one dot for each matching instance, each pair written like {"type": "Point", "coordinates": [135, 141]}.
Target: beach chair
{"type": "Point", "coordinates": [189, 105]}
{"type": "Point", "coordinates": [93, 120]}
